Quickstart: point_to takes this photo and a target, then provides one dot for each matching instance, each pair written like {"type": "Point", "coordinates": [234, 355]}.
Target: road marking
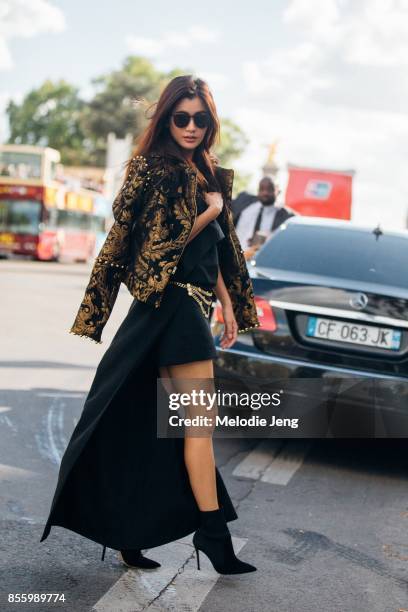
{"type": "Point", "coordinates": [257, 461]}
{"type": "Point", "coordinates": [176, 585]}
{"type": "Point", "coordinates": [60, 394]}
{"type": "Point", "coordinates": [287, 463]}
{"type": "Point", "coordinates": [51, 441]}
{"type": "Point", "coordinates": [273, 462]}
{"type": "Point", "coordinates": [5, 419]}
{"type": "Point", "coordinates": [9, 472]}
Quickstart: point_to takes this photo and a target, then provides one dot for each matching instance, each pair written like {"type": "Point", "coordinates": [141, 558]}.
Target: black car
{"type": "Point", "coordinates": [332, 300]}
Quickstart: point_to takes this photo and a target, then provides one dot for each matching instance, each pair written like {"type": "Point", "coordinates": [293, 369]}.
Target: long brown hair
{"type": "Point", "coordinates": [156, 138]}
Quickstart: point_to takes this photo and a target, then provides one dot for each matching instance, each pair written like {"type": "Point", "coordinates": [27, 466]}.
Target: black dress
{"type": "Point", "coordinates": [188, 336]}
{"type": "Point", "coordinates": [119, 484]}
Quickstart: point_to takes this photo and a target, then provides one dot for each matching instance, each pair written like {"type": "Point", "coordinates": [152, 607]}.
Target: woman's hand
{"type": "Point", "coordinates": [251, 252]}
{"type": "Point", "coordinates": [214, 202]}
{"type": "Point", "coordinates": [230, 326]}
{"type": "Point", "coordinates": [230, 333]}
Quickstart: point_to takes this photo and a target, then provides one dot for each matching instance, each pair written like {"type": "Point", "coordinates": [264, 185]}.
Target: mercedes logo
{"type": "Point", "coordinates": [359, 301]}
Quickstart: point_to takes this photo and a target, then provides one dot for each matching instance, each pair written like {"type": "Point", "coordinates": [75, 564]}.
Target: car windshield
{"type": "Point", "coordinates": [340, 253]}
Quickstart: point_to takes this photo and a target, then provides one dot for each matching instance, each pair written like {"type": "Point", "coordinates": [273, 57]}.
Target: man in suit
{"type": "Point", "coordinates": [242, 200]}
{"type": "Point", "coordinates": [261, 215]}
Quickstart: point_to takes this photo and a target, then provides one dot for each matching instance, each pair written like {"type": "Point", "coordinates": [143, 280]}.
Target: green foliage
{"type": "Point", "coordinates": [232, 143]}
{"type": "Point", "coordinates": [54, 115]}
{"type": "Point", "coordinates": [114, 107]}
{"type": "Point", "coordinates": [49, 116]}
{"type": "Point", "coordinates": [241, 182]}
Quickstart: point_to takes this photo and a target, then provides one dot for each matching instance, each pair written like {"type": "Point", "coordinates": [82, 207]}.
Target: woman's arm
{"type": "Point", "coordinates": [230, 324]}
{"type": "Point", "coordinates": [221, 290]}
{"type": "Point", "coordinates": [215, 204]}
{"type": "Point", "coordinates": [201, 221]}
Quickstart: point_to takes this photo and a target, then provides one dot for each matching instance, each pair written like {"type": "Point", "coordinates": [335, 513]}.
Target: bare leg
{"type": "Point", "coordinates": [198, 452]}
{"type": "Point", "coordinates": [166, 380]}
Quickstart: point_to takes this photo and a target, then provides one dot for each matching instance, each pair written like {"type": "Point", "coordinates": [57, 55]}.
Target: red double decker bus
{"type": "Point", "coordinates": [40, 216]}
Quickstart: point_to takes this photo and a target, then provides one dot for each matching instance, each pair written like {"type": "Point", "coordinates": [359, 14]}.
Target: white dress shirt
{"type": "Point", "coordinates": [246, 222]}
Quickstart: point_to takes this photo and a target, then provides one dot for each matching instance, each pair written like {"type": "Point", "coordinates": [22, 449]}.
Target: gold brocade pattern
{"type": "Point", "coordinates": [154, 214]}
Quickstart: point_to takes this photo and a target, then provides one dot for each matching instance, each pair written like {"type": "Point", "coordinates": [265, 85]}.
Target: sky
{"type": "Point", "coordinates": [326, 80]}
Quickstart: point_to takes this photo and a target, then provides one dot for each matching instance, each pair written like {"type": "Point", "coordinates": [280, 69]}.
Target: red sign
{"type": "Point", "coordinates": [319, 193]}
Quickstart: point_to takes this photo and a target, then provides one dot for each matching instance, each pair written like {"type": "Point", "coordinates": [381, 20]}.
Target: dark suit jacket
{"type": "Point", "coordinates": [282, 212]}
{"type": "Point", "coordinates": [242, 200]}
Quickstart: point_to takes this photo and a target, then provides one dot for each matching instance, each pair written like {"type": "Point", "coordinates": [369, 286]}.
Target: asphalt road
{"type": "Point", "coordinates": [325, 521]}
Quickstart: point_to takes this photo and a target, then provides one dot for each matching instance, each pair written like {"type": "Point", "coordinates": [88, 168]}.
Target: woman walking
{"type": "Point", "coordinates": [174, 246]}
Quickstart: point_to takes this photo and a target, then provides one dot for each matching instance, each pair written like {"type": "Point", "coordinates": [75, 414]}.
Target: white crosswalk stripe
{"type": "Point", "coordinates": [9, 472]}
{"type": "Point", "coordinates": [273, 461]}
{"type": "Point", "coordinates": [175, 586]}
{"type": "Point", "coordinates": [287, 463]}
{"type": "Point", "coordinates": [257, 461]}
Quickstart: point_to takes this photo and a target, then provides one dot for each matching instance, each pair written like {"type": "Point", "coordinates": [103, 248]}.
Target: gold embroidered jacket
{"type": "Point", "coordinates": [154, 213]}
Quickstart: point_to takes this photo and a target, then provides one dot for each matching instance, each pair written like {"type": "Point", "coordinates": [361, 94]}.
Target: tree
{"type": "Point", "coordinates": [114, 107]}
{"type": "Point", "coordinates": [54, 115]}
{"type": "Point", "coordinates": [232, 144]}
{"type": "Point", "coordinates": [49, 116]}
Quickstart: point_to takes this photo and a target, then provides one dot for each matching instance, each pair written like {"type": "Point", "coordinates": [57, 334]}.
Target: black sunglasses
{"type": "Point", "coordinates": [182, 119]}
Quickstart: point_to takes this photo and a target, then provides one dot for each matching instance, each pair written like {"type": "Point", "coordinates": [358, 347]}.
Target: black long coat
{"type": "Point", "coordinates": [118, 484]}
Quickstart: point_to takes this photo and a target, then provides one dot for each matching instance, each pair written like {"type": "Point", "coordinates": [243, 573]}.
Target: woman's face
{"type": "Point", "coordinates": [189, 137]}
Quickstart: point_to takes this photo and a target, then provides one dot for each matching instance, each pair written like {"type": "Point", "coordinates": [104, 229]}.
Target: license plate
{"type": "Point", "coordinates": [355, 333]}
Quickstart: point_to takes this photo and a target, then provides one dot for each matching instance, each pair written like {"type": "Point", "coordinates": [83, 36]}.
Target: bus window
{"type": "Point", "coordinates": [20, 216]}
{"type": "Point", "coordinates": [98, 223]}
{"type": "Point", "coordinates": [84, 221]}
{"type": "Point", "coordinates": [54, 170]}
{"type": "Point", "coordinates": [50, 218]}
{"type": "Point", "coordinates": [62, 218]}
{"type": "Point", "coordinates": [20, 165]}
{"type": "Point", "coordinates": [72, 219]}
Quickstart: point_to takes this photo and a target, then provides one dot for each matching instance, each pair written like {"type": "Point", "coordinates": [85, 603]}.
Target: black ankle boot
{"type": "Point", "coordinates": [214, 539]}
{"type": "Point", "coordinates": [133, 558]}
